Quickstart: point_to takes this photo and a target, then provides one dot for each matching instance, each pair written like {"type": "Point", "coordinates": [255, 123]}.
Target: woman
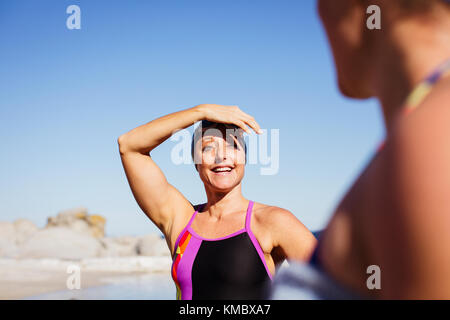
{"type": "Point", "coordinates": [229, 247]}
{"type": "Point", "coordinates": [396, 216]}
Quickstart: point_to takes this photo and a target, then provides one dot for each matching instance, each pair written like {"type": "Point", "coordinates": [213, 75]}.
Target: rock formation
{"type": "Point", "coordinates": [79, 220]}
{"type": "Point", "coordinates": [61, 243]}
{"type": "Point", "coordinates": [73, 234]}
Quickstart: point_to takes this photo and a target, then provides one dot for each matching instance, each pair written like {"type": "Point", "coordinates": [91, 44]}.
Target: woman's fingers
{"type": "Point", "coordinates": [232, 114]}
{"type": "Point", "coordinates": [241, 124]}
{"type": "Point", "coordinates": [254, 125]}
{"type": "Point", "coordinates": [249, 120]}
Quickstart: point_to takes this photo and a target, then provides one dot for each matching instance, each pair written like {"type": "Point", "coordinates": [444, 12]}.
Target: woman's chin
{"type": "Point", "coordinates": [223, 184]}
{"type": "Point", "coordinates": [223, 187]}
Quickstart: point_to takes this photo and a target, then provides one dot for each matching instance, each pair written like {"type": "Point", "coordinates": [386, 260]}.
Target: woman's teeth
{"type": "Point", "coordinates": [222, 169]}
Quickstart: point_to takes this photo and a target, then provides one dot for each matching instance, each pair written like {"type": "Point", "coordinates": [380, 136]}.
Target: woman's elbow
{"type": "Point", "coordinates": [122, 143]}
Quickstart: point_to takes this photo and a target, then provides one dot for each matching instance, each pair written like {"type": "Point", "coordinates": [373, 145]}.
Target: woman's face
{"type": "Point", "coordinates": [222, 160]}
{"type": "Point", "coordinates": [345, 24]}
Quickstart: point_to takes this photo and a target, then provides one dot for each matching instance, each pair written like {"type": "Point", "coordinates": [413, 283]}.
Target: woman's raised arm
{"type": "Point", "coordinates": [159, 200]}
{"type": "Point", "coordinates": [166, 207]}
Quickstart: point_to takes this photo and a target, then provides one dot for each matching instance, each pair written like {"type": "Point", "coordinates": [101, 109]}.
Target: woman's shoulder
{"type": "Point", "coordinates": [421, 139]}
{"type": "Point", "coordinates": [272, 215]}
{"type": "Point", "coordinates": [407, 189]}
{"type": "Point", "coordinates": [282, 230]}
{"type": "Point", "coordinates": [413, 170]}
{"type": "Point", "coordinates": [426, 130]}
{"type": "Point", "coordinates": [432, 114]}
{"type": "Point", "coordinates": [261, 207]}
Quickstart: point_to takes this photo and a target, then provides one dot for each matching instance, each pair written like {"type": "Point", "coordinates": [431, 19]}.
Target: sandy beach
{"type": "Point", "coordinates": [20, 279]}
{"type": "Point", "coordinates": [70, 255]}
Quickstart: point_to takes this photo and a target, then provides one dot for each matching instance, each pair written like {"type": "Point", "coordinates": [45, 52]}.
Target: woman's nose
{"type": "Point", "coordinates": [221, 154]}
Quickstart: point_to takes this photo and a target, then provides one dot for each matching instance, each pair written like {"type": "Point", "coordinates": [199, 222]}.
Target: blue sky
{"type": "Point", "coordinates": [66, 96]}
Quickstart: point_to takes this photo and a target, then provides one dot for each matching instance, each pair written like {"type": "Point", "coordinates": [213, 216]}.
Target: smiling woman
{"type": "Point", "coordinates": [229, 247]}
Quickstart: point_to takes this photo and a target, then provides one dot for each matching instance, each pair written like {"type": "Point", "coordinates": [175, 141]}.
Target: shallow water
{"type": "Point", "coordinates": [158, 286]}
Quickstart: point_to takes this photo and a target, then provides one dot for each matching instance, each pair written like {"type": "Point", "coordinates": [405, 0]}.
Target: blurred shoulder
{"type": "Point", "coordinates": [417, 158]}
{"type": "Point", "coordinates": [425, 132]}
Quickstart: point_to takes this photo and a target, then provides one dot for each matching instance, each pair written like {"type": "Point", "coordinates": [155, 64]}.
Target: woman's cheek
{"type": "Point", "coordinates": [208, 158]}
{"type": "Point", "coordinates": [241, 158]}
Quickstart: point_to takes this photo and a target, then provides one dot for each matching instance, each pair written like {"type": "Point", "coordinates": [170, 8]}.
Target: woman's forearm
{"type": "Point", "coordinates": [145, 138]}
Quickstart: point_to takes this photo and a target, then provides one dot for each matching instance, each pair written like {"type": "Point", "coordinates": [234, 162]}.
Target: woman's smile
{"type": "Point", "coordinates": [222, 170]}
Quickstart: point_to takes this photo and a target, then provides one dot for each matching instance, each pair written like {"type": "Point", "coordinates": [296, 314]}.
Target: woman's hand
{"type": "Point", "coordinates": [229, 114]}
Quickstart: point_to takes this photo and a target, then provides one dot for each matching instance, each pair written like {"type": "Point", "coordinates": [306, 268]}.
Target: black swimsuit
{"type": "Point", "coordinates": [231, 267]}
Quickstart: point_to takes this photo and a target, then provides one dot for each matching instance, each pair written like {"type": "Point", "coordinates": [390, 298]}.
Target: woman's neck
{"type": "Point", "coordinates": [222, 203]}
{"type": "Point", "coordinates": [404, 62]}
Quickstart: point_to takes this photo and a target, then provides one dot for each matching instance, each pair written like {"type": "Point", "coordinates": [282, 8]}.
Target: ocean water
{"type": "Point", "coordinates": [158, 286]}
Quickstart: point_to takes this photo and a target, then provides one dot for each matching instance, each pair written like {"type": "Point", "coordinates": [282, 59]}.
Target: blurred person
{"type": "Point", "coordinates": [396, 215]}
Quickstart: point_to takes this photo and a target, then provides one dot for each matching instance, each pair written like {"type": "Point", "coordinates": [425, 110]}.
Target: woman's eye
{"type": "Point", "coordinates": [232, 145]}
{"type": "Point", "coordinates": [207, 148]}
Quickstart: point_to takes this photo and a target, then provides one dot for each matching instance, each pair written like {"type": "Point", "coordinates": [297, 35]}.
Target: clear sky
{"type": "Point", "coordinates": [66, 96]}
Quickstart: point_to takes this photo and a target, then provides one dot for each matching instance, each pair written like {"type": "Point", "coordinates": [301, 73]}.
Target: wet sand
{"type": "Point", "coordinates": [33, 278]}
